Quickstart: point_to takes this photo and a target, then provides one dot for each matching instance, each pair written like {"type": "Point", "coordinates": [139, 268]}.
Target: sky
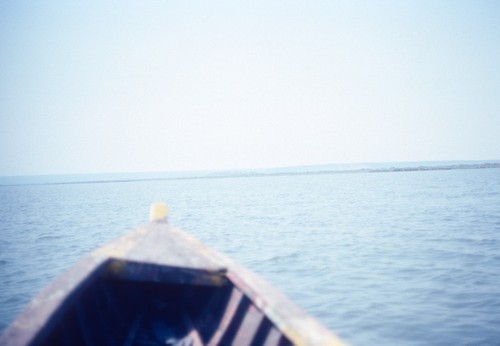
{"type": "Point", "coordinates": [132, 86]}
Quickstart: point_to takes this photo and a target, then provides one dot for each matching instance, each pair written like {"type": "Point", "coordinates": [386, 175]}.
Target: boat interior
{"type": "Point", "coordinates": [167, 306]}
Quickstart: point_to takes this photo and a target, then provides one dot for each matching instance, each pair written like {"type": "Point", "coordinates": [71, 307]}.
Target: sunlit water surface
{"type": "Point", "coordinates": [409, 258]}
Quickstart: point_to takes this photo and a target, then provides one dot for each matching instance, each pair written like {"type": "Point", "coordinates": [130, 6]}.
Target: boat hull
{"type": "Point", "coordinates": [160, 286]}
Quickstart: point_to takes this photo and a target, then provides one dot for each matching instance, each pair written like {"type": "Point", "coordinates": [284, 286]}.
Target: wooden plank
{"type": "Point", "coordinates": [228, 316]}
{"type": "Point", "coordinates": [273, 337]}
{"type": "Point", "coordinates": [249, 327]}
{"type": "Point", "coordinates": [149, 272]}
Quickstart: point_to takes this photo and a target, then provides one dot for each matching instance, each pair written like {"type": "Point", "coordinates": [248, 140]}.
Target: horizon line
{"type": "Point", "coordinates": [265, 172]}
{"type": "Point", "coordinates": [200, 170]}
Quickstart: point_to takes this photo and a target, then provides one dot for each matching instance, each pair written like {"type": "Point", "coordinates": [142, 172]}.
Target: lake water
{"type": "Point", "coordinates": [408, 258]}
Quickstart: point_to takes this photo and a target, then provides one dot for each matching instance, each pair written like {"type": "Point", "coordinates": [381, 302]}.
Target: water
{"type": "Point", "coordinates": [409, 258]}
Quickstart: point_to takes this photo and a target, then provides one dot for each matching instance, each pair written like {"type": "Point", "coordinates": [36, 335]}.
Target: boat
{"type": "Point", "coordinates": [159, 285]}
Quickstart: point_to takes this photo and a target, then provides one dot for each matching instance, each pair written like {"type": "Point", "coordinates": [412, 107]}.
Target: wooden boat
{"type": "Point", "coordinates": [159, 286]}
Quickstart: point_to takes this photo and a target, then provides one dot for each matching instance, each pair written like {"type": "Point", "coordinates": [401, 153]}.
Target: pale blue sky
{"type": "Point", "coordinates": [98, 86]}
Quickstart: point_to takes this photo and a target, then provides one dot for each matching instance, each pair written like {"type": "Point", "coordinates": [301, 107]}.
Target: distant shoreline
{"type": "Point", "coordinates": [363, 170]}
{"type": "Point", "coordinates": [438, 168]}
{"type": "Point", "coordinates": [289, 171]}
